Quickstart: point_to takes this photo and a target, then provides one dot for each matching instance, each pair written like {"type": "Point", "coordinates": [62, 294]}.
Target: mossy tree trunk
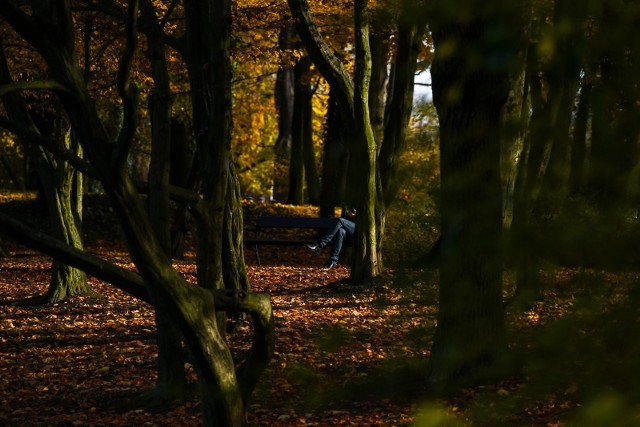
{"type": "Point", "coordinates": [193, 309]}
{"type": "Point", "coordinates": [62, 186]}
{"type": "Point", "coordinates": [65, 207]}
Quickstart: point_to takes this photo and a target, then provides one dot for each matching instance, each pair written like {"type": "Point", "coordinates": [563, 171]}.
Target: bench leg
{"type": "Point", "coordinates": [255, 249]}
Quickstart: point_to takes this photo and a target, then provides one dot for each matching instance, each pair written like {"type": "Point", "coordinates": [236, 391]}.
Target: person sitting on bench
{"type": "Point", "coordinates": [345, 226]}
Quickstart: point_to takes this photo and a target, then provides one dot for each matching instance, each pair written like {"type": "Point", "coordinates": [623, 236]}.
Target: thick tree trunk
{"type": "Point", "coordinates": [62, 186]}
{"type": "Point", "coordinates": [470, 341]}
{"type": "Point", "coordinates": [65, 209]}
{"type": "Point", "coordinates": [191, 308]}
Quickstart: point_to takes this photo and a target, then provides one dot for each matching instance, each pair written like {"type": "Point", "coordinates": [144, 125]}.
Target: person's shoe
{"type": "Point", "coordinates": [315, 247]}
{"type": "Point", "coordinates": [331, 264]}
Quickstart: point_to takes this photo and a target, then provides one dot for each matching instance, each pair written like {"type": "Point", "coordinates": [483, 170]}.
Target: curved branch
{"type": "Point", "coordinates": [323, 57]}
{"type": "Point", "coordinates": [258, 306]}
{"type": "Point", "coordinates": [121, 278]}
{"type": "Point", "coordinates": [31, 137]}
{"type": "Point", "coordinates": [33, 85]}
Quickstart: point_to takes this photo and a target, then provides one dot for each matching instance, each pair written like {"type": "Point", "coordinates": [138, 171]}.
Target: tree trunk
{"type": "Point", "coordinates": [562, 75]}
{"type": "Point", "coordinates": [65, 209]}
{"type": "Point", "coordinates": [577, 176]}
{"type": "Point", "coordinates": [296, 159]}
{"type": "Point", "coordinates": [470, 341]}
{"type": "Point", "coordinates": [334, 165]}
{"type": "Point", "coordinates": [62, 186]}
{"type": "Point", "coordinates": [235, 270]}
{"type": "Point", "coordinates": [523, 239]}
{"type": "Point", "coordinates": [284, 98]}
{"type": "Point", "coordinates": [399, 106]}
{"type": "Point", "coordinates": [191, 308]}
{"type": "Point", "coordinates": [160, 105]}
{"type": "Point", "coordinates": [171, 384]}
{"type": "Point", "coordinates": [308, 151]}
{"type": "Point", "coordinates": [182, 176]}
{"type": "Point", "coordinates": [365, 263]}
{"type": "Point", "coordinates": [378, 89]}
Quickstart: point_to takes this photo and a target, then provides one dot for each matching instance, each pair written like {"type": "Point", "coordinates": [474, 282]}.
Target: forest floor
{"type": "Point", "coordinates": [345, 355]}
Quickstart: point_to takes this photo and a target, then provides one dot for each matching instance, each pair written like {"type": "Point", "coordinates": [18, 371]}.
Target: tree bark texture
{"type": "Point", "coordinates": [191, 308]}
{"type": "Point", "coordinates": [470, 341]}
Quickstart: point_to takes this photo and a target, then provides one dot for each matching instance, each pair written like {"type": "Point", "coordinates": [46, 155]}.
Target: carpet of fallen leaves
{"type": "Point", "coordinates": [80, 361]}
{"type": "Point", "coordinates": [345, 355]}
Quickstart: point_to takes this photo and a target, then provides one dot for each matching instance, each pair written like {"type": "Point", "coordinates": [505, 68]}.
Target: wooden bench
{"type": "Point", "coordinates": [265, 223]}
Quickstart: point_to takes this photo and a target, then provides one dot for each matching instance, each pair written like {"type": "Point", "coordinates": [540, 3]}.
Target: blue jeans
{"type": "Point", "coordinates": [336, 236]}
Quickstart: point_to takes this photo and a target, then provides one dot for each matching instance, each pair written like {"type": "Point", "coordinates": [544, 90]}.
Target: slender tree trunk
{"type": "Point", "coordinates": [296, 160]}
{"type": "Point", "coordinates": [562, 77]}
{"type": "Point", "coordinates": [235, 270]}
{"type": "Point", "coordinates": [577, 176]}
{"type": "Point", "coordinates": [308, 151]}
{"type": "Point", "coordinates": [379, 42]}
{"type": "Point", "coordinates": [523, 239]}
{"type": "Point", "coordinates": [334, 165]}
{"type": "Point", "coordinates": [284, 98]}
{"type": "Point", "coordinates": [160, 105]}
{"type": "Point", "coordinates": [181, 175]}
{"type": "Point", "coordinates": [365, 264]}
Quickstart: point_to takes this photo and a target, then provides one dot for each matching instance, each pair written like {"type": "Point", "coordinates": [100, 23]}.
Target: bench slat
{"type": "Point", "coordinates": [285, 222]}
{"type": "Point", "coordinates": [294, 222]}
